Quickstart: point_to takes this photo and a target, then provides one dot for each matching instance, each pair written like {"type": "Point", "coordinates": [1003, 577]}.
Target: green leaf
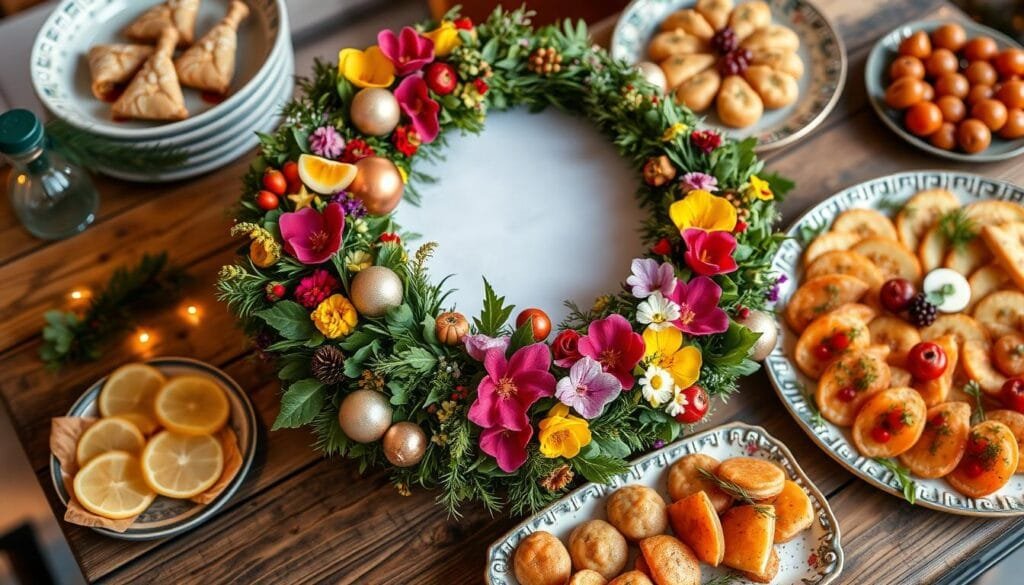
{"type": "Point", "coordinates": [293, 366]}
{"type": "Point", "coordinates": [357, 340]}
{"type": "Point", "coordinates": [400, 319]}
{"type": "Point", "coordinates": [300, 404]}
{"type": "Point", "coordinates": [494, 314]}
{"type": "Point", "coordinates": [399, 392]}
{"type": "Point", "coordinates": [430, 330]}
{"type": "Point", "coordinates": [419, 359]}
{"type": "Point", "coordinates": [600, 469]}
{"type": "Point", "coordinates": [735, 346]}
{"type": "Point", "coordinates": [612, 447]}
{"type": "Point", "coordinates": [354, 364]}
{"type": "Point", "coordinates": [902, 476]}
{"type": "Point", "coordinates": [290, 319]}
{"type": "Point", "coordinates": [522, 337]}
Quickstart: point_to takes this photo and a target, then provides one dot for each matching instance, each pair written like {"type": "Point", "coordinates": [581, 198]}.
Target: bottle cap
{"type": "Point", "coordinates": [20, 131]}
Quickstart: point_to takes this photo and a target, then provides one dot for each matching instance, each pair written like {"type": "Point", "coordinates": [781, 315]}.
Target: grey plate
{"type": "Point", "coordinates": [821, 49]}
{"type": "Point", "coordinates": [790, 384]}
{"type": "Point", "coordinates": [813, 556]}
{"type": "Point", "coordinates": [165, 516]}
{"type": "Point", "coordinates": [876, 75]}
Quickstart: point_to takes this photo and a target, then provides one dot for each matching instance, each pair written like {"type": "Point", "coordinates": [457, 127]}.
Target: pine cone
{"type": "Point", "coordinates": [328, 365]}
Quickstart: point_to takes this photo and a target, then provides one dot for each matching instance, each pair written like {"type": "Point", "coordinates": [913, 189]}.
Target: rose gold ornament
{"type": "Point", "coordinates": [375, 290]}
{"type": "Point", "coordinates": [378, 184]}
{"type": "Point", "coordinates": [451, 327]}
{"type": "Point", "coordinates": [763, 323]}
{"type": "Point", "coordinates": [653, 74]}
{"type": "Point", "coordinates": [405, 444]}
{"type": "Point", "coordinates": [375, 111]}
{"type": "Point", "coordinates": [364, 416]}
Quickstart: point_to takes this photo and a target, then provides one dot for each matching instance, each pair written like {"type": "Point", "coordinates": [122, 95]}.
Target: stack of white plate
{"type": "Point", "coordinates": [215, 134]}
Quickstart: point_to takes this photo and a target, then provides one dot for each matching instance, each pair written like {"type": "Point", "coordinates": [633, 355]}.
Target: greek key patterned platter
{"type": "Point", "coordinates": [821, 50]}
{"type": "Point", "coordinates": [165, 516]}
{"type": "Point", "coordinates": [814, 557]}
{"type": "Point", "coordinates": [794, 388]}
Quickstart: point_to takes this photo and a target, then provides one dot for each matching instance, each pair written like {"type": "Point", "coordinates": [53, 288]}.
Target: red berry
{"type": "Point", "coordinates": [840, 341]}
{"type": "Point", "coordinates": [894, 420]}
{"type": "Point", "coordinates": [464, 23]}
{"type": "Point", "coordinates": [1012, 394]}
{"type": "Point", "coordinates": [441, 78]}
{"type": "Point", "coordinates": [541, 323]}
{"type": "Point", "coordinates": [973, 468]}
{"type": "Point", "coordinates": [896, 294]}
{"type": "Point", "coordinates": [822, 352]}
{"type": "Point", "coordinates": [926, 361]}
{"type": "Point", "coordinates": [274, 181]}
{"type": "Point", "coordinates": [290, 170]}
{"type": "Point", "coordinates": [741, 226]}
{"type": "Point", "coordinates": [936, 421]}
{"type": "Point", "coordinates": [976, 446]}
{"type": "Point", "coordinates": [696, 405]}
{"type": "Point", "coordinates": [880, 435]}
{"type": "Point", "coordinates": [266, 200]}
{"type": "Point", "coordinates": [847, 394]}
{"type": "Point", "coordinates": [743, 312]}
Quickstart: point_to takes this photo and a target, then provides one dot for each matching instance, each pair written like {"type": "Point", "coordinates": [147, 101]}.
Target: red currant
{"type": "Point", "coordinates": [839, 341]}
{"type": "Point", "coordinates": [926, 361]}
{"type": "Point", "coordinates": [822, 352]}
{"type": "Point", "coordinates": [896, 294]}
{"type": "Point", "coordinates": [266, 200]}
{"type": "Point", "coordinates": [894, 420]}
{"type": "Point", "coordinates": [847, 394]}
{"type": "Point", "coordinates": [1012, 394]}
{"type": "Point", "coordinates": [880, 435]}
{"type": "Point", "coordinates": [976, 446]}
{"type": "Point", "coordinates": [973, 468]}
{"type": "Point", "coordinates": [696, 405]}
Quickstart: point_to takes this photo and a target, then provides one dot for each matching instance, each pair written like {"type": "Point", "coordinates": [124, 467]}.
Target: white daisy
{"type": "Point", "coordinates": [657, 385]}
{"type": "Point", "coordinates": [678, 404]}
{"type": "Point", "coordinates": [657, 311]}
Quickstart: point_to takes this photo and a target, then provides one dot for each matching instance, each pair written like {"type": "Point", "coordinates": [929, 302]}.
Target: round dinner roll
{"type": "Point", "coordinates": [598, 546]}
{"type": "Point", "coordinates": [541, 559]}
{"type": "Point", "coordinates": [759, 478]}
{"type": "Point", "coordinates": [685, 479]}
{"type": "Point", "coordinates": [637, 511]}
{"type": "Point", "coordinates": [632, 578]}
{"type": "Point", "coordinates": [587, 577]}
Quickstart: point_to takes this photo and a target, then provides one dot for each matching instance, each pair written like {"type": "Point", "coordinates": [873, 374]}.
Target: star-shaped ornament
{"type": "Point", "coordinates": [303, 198]}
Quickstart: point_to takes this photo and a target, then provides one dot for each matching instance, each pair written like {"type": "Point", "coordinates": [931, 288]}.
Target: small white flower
{"type": "Point", "coordinates": [678, 404]}
{"type": "Point", "coordinates": [657, 311]}
{"type": "Point", "coordinates": [657, 385]}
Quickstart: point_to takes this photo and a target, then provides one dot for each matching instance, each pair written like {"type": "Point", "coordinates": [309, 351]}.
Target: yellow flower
{"type": "Point", "coordinates": [665, 348]}
{"type": "Point", "coordinates": [264, 252]}
{"type": "Point", "coordinates": [335, 317]}
{"type": "Point", "coordinates": [700, 209]}
{"type": "Point", "coordinates": [673, 131]}
{"type": "Point", "coordinates": [403, 173]}
{"type": "Point", "coordinates": [760, 189]}
{"type": "Point", "coordinates": [445, 37]}
{"type": "Point", "coordinates": [563, 435]}
{"type": "Point", "coordinates": [369, 68]}
{"type": "Point", "coordinates": [358, 260]}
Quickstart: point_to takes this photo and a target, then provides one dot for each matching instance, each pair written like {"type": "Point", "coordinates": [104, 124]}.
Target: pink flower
{"type": "Point", "coordinates": [565, 349]}
{"type": "Point", "coordinates": [587, 388]}
{"type": "Point", "coordinates": [409, 51]}
{"type": "Point", "coordinates": [311, 236]}
{"type": "Point", "coordinates": [478, 345]}
{"type": "Point", "coordinates": [695, 180]}
{"type": "Point", "coordinates": [422, 111]}
{"type": "Point", "coordinates": [614, 344]}
{"type": "Point", "coordinates": [511, 387]}
{"type": "Point", "coordinates": [699, 313]}
{"type": "Point", "coordinates": [325, 141]}
{"type": "Point", "coordinates": [315, 288]}
{"type": "Point", "coordinates": [710, 253]}
{"type": "Point", "coordinates": [649, 277]}
{"type": "Point", "coordinates": [506, 445]}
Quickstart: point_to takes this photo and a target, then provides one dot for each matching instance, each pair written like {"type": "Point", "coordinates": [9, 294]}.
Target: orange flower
{"type": "Point", "coordinates": [369, 68]}
{"type": "Point", "coordinates": [702, 210]}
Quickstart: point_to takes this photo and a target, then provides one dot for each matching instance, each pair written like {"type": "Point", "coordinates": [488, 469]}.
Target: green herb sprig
{"type": "Point", "coordinates": [902, 475]}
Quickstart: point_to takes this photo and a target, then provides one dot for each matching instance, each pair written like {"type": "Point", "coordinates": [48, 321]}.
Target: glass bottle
{"type": "Point", "coordinates": [53, 198]}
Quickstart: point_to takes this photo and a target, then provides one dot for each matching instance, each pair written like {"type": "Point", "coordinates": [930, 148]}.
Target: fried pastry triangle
{"type": "Point", "coordinates": [209, 64]}
{"type": "Point", "coordinates": [155, 94]}
{"type": "Point", "coordinates": [113, 64]}
{"type": "Point", "coordinates": [181, 14]}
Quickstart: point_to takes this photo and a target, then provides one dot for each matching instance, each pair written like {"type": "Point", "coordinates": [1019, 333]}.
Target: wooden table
{"type": "Point", "coordinates": [300, 518]}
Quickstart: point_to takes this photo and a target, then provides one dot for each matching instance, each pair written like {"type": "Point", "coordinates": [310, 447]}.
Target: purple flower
{"type": "Point", "coordinates": [658, 444]}
{"type": "Point", "coordinates": [773, 294]}
{"type": "Point", "coordinates": [422, 111]}
{"type": "Point", "coordinates": [587, 389]}
{"type": "Point", "coordinates": [695, 180]}
{"type": "Point", "coordinates": [353, 207]}
{"type": "Point", "coordinates": [409, 51]}
{"type": "Point", "coordinates": [699, 313]}
{"type": "Point", "coordinates": [325, 141]}
{"type": "Point", "coordinates": [649, 277]}
{"type": "Point", "coordinates": [478, 345]}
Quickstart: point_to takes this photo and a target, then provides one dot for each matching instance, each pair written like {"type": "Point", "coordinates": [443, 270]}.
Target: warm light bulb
{"type": "Point", "coordinates": [144, 337]}
{"type": "Point", "coordinates": [22, 179]}
{"type": "Point", "coordinates": [192, 310]}
{"type": "Point", "coordinates": [76, 294]}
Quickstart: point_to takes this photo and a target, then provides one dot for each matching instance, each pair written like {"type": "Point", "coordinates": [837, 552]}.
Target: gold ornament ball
{"type": "Point", "coordinates": [375, 290]}
{"type": "Point", "coordinates": [378, 184]}
{"type": "Point", "coordinates": [763, 323]}
{"type": "Point", "coordinates": [375, 111]}
{"type": "Point", "coordinates": [653, 74]}
{"type": "Point", "coordinates": [365, 415]}
{"type": "Point", "coordinates": [404, 444]}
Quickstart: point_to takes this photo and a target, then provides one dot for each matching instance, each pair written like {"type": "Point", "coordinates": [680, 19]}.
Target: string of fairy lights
{"type": "Point", "coordinates": [143, 337]}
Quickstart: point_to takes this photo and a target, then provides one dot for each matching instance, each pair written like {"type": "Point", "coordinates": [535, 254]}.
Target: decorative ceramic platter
{"type": "Point", "coordinates": [794, 388]}
{"type": "Point", "coordinates": [821, 50]}
{"type": "Point", "coordinates": [165, 516]}
{"type": "Point", "coordinates": [814, 557]}
{"type": "Point", "coordinates": [876, 77]}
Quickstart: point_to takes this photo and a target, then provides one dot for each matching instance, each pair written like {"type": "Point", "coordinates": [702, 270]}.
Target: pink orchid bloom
{"type": "Point", "coordinates": [312, 236]}
{"type": "Point", "coordinates": [511, 387]}
{"type": "Point", "coordinates": [409, 51]}
{"type": "Point", "coordinates": [710, 253]}
{"type": "Point", "coordinates": [587, 389]}
{"type": "Point", "coordinates": [613, 344]}
{"type": "Point", "coordinates": [699, 313]}
{"type": "Point", "coordinates": [478, 345]}
{"type": "Point", "coordinates": [422, 111]}
{"type": "Point", "coordinates": [507, 446]}
{"type": "Point", "coordinates": [649, 277]}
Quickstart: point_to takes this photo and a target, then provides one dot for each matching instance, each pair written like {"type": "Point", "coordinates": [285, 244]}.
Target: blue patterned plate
{"type": "Point", "coordinates": [813, 556]}
{"type": "Point", "coordinates": [795, 389]}
{"type": "Point", "coordinates": [165, 516]}
{"type": "Point", "coordinates": [821, 49]}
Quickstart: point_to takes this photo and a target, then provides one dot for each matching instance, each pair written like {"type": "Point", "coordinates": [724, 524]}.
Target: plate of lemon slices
{"type": "Point", "coordinates": [154, 449]}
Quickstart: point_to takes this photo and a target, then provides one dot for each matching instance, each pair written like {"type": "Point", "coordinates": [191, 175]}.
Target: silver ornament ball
{"type": "Point", "coordinates": [653, 74]}
{"type": "Point", "coordinates": [365, 415]}
{"type": "Point", "coordinates": [375, 290]}
{"type": "Point", "coordinates": [405, 444]}
{"type": "Point", "coordinates": [375, 111]}
{"type": "Point", "coordinates": [763, 323]}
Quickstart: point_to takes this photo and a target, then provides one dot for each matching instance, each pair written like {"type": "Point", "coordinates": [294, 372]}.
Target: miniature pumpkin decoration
{"type": "Point", "coordinates": [451, 327]}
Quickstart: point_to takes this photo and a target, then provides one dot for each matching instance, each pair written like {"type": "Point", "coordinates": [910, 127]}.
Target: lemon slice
{"type": "Point", "coordinates": [109, 434]}
{"type": "Point", "coordinates": [112, 486]}
{"type": "Point", "coordinates": [129, 392]}
{"type": "Point", "coordinates": [191, 405]}
{"type": "Point", "coordinates": [181, 466]}
{"type": "Point", "coordinates": [325, 176]}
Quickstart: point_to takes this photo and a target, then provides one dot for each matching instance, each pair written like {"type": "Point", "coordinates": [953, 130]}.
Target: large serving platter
{"type": "Point", "coordinates": [795, 389]}
{"type": "Point", "coordinates": [813, 557]}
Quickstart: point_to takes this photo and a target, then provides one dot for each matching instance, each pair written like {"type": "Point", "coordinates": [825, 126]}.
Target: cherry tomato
{"type": "Point", "coordinates": [973, 136]}
{"type": "Point", "coordinates": [953, 108]}
{"type": "Point", "coordinates": [847, 394]}
{"type": "Point", "coordinates": [978, 93]}
{"type": "Point", "coordinates": [980, 49]}
{"type": "Point", "coordinates": [840, 341]}
{"type": "Point", "coordinates": [896, 294]}
{"type": "Point", "coordinates": [1014, 127]}
{"type": "Point", "coordinates": [949, 36]}
{"type": "Point", "coordinates": [541, 322]}
{"type": "Point", "coordinates": [266, 200]}
{"type": "Point", "coordinates": [926, 361]}
{"type": "Point", "coordinates": [991, 112]}
{"type": "Point", "coordinates": [1010, 62]}
{"type": "Point", "coordinates": [981, 73]}
{"type": "Point", "coordinates": [1012, 394]}
{"type": "Point", "coordinates": [822, 352]}
{"type": "Point", "coordinates": [274, 181]}
{"type": "Point", "coordinates": [940, 62]}
{"type": "Point", "coordinates": [923, 118]}
{"type": "Point", "coordinates": [904, 92]}
{"type": "Point", "coordinates": [906, 66]}
{"type": "Point", "coordinates": [1011, 93]}
{"type": "Point", "coordinates": [944, 137]}
{"type": "Point", "coordinates": [880, 435]}
{"type": "Point", "coordinates": [952, 84]}
{"type": "Point", "coordinates": [696, 405]}
{"type": "Point", "coordinates": [917, 45]}
{"type": "Point", "coordinates": [290, 170]}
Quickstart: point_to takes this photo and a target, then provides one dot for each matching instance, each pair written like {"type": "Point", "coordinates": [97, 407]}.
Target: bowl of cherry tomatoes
{"type": "Point", "coordinates": [954, 89]}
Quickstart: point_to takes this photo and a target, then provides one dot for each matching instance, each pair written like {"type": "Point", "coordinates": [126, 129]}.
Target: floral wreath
{"type": "Point", "coordinates": [382, 371]}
